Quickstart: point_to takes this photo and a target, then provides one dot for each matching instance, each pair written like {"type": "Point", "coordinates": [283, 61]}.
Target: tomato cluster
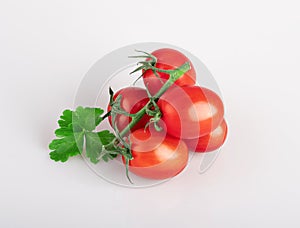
{"type": "Point", "coordinates": [192, 119]}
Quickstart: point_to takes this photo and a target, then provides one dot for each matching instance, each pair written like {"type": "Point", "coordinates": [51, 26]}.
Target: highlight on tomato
{"type": "Point", "coordinates": [191, 112]}
{"type": "Point", "coordinates": [133, 99]}
{"type": "Point", "coordinates": [156, 155]}
{"type": "Point", "coordinates": [210, 142]}
{"type": "Point", "coordinates": [168, 59]}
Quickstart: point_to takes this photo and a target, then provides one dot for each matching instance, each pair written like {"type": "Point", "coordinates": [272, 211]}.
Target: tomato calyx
{"type": "Point", "coordinates": [151, 60]}
{"type": "Point", "coordinates": [150, 63]}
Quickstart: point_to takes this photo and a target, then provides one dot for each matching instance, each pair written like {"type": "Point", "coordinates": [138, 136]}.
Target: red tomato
{"type": "Point", "coordinates": [156, 155]}
{"type": "Point", "coordinates": [133, 99]}
{"type": "Point", "coordinates": [191, 112]}
{"type": "Point", "coordinates": [209, 142]}
{"type": "Point", "coordinates": [168, 59]}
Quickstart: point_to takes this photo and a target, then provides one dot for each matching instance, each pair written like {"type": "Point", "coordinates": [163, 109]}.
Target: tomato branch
{"type": "Point", "coordinates": [174, 75]}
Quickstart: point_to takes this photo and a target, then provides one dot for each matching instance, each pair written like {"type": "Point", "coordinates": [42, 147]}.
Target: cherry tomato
{"type": "Point", "coordinates": [191, 112]}
{"type": "Point", "coordinates": [168, 59]}
{"type": "Point", "coordinates": [133, 99]}
{"type": "Point", "coordinates": [209, 142]}
{"type": "Point", "coordinates": [156, 155]}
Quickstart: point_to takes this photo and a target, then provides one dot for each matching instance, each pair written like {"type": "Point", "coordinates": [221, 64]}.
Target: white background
{"type": "Point", "coordinates": [252, 49]}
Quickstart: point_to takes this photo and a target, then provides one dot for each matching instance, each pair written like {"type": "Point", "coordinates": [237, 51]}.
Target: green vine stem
{"type": "Point", "coordinates": [174, 75]}
{"type": "Point", "coordinates": [135, 118]}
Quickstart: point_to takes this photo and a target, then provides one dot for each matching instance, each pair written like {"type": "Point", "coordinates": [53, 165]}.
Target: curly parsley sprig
{"type": "Point", "coordinates": [76, 128]}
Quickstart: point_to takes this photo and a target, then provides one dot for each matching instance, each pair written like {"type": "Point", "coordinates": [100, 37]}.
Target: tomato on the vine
{"type": "Point", "coordinates": [156, 155]}
{"type": "Point", "coordinates": [209, 142]}
{"type": "Point", "coordinates": [133, 99]}
{"type": "Point", "coordinates": [168, 59]}
{"type": "Point", "coordinates": [191, 112]}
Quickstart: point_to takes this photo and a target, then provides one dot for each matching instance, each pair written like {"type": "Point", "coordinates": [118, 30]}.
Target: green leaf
{"type": "Point", "coordinates": [110, 152]}
{"type": "Point", "coordinates": [66, 118]}
{"type": "Point", "coordinates": [87, 118]}
{"type": "Point", "coordinates": [64, 131]}
{"type": "Point", "coordinates": [93, 146]}
{"type": "Point", "coordinates": [106, 137]}
{"type": "Point", "coordinates": [66, 147]}
{"type": "Point", "coordinates": [55, 144]}
{"type": "Point", "coordinates": [67, 143]}
{"type": "Point", "coordinates": [70, 135]}
{"type": "Point", "coordinates": [75, 126]}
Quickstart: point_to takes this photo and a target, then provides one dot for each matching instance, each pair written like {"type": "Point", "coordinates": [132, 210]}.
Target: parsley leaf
{"type": "Point", "coordinates": [77, 126]}
{"type": "Point", "coordinates": [106, 137]}
{"type": "Point", "coordinates": [87, 118]}
{"type": "Point", "coordinates": [66, 118]}
{"type": "Point", "coordinates": [98, 146]}
{"type": "Point", "coordinates": [93, 146]}
{"type": "Point", "coordinates": [66, 147]}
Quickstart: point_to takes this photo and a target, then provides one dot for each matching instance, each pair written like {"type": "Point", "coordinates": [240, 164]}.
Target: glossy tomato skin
{"type": "Point", "coordinates": [168, 59]}
{"type": "Point", "coordinates": [156, 155]}
{"type": "Point", "coordinates": [133, 99]}
{"type": "Point", "coordinates": [209, 142]}
{"type": "Point", "coordinates": [191, 112]}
